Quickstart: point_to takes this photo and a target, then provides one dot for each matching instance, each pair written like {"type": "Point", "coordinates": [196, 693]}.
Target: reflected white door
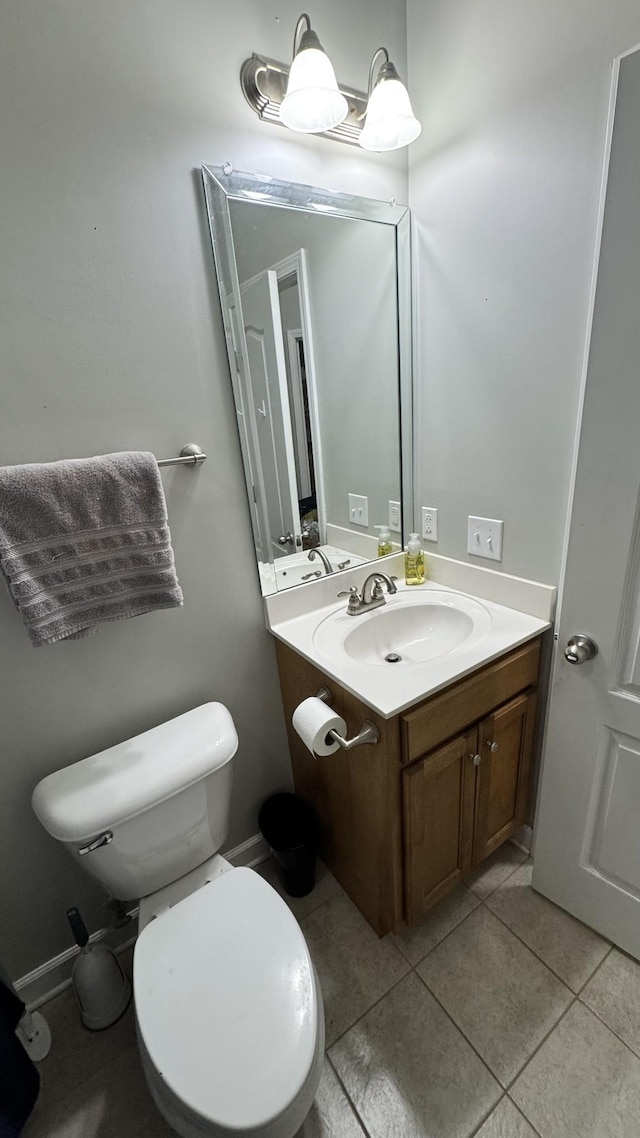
{"type": "Point", "coordinates": [587, 851]}
{"type": "Point", "coordinates": [267, 382]}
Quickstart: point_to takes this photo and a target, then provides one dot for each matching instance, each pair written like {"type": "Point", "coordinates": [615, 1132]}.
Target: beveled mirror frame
{"type": "Point", "coordinates": [223, 185]}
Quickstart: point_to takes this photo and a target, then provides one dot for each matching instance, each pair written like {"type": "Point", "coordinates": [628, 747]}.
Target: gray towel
{"type": "Point", "coordinates": [84, 541]}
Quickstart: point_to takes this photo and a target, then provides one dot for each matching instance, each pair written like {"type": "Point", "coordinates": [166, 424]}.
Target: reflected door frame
{"type": "Point", "coordinates": [296, 265]}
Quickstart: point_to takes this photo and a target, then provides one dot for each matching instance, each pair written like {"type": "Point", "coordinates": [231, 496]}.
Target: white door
{"type": "Point", "coordinates": [271, 414]}
{"type": "Point", "coordinates": [587, 851]}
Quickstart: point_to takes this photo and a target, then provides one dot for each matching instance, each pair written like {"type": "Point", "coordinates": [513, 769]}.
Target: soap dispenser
{"type": "Point", "coordinates": [384, 541]}
{"type": "Point", "coordinates": [414, 561]}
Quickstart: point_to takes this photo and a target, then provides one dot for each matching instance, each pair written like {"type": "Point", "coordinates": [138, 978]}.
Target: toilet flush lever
{"type": "Point", "coordinates": [104, 840]}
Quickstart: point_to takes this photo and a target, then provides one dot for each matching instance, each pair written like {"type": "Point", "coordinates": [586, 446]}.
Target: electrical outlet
{"type": "Point", "coordinates": [358, 510]}
{"type": "Point", "coordinates": [429, 523]}
{"type": "Point", "coordinates": [395, 520]}
{"type": "Point", "coordinates": [484, 538]}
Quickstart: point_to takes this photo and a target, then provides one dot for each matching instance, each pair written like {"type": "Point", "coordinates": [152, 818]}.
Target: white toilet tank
{"type": "Point", "coordinates": [153, 807]}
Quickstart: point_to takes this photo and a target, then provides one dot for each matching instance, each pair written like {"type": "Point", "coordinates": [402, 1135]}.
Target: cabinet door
{"type": "Point", "coordinates": [438, 799]}
{"type": "Point", "coordinates": [505, 746]}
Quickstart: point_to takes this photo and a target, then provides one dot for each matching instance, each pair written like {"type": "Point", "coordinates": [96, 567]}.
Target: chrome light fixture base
{"type": "Point", "coordinates": [264, 85]}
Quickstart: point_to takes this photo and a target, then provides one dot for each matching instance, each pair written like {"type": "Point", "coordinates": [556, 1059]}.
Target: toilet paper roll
{"type": "Point", "coordinates": [313, 720]}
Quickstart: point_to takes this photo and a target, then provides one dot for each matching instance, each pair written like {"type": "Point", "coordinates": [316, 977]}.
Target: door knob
{"type": "Point", "coordinates": [580, 648]}
{"type": "Point", "coordinates": [286, 539]}
{"type": "Point", "coordinates": [476, 760]}
{"type": "Point", "coordinates": [493, 747]}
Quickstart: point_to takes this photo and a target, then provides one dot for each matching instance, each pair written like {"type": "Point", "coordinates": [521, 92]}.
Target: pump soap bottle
{"type": "Point", "coordinates": [414, 561]}
{"type": "Point", "coordinates": [384, 541]}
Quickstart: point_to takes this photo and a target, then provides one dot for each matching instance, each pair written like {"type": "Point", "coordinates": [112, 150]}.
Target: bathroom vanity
{"type": "Point", "coordinates": [449, 780]}
{"type": "Point", "coordinates": [403, 821]}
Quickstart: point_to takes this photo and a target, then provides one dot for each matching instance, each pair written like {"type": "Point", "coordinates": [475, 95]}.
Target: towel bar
{"type": "Point", "coordinates": [191, 455]}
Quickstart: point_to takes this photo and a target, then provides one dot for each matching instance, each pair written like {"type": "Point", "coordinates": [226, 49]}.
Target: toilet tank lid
{"type": "Point", "coordinates": [97, 793]}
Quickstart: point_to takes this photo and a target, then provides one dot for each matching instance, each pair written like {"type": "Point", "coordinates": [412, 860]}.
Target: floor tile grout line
{"type": "Point", "coordinates": [507, 1087]}
{"type": "Point", "coordinates": [574, 996]}
{"type": "Point", "coordinates": [463, 1034]}
{"type": "Point", "coordinates": [504, 879]}
{"type": "Point", "coordinates": [597, 1014]}
{"type": "Point", "coordinates": [565, 1013]}
{"type": "Point", "coordinates": [535, 1051]}
{"type": "Point", "coordinates": [487, 1116]}
{"type": "Point", "coordinates": [348, 1097]}
{"type": "Point", "coordinates": [395, 984]}
{"type": "Point", "coordinates": [609, 1028]}
{"type": "Point", "coordinates": [501, 1088]}
{"type": "Point", "coordinates": [576, 999]}
{"type": "Point", "coordinates": [595, 971]}
{"type": "Point", "coordinates": [494, 1109]}
{"type": "Point", "coordinates": [312, 912]}
{"type": "Point", "coordinates": [521, 1112]}
{"type": "Point", "coordinates": [445, 937]}
{"type": "Point", "coordinates": [543, 961]}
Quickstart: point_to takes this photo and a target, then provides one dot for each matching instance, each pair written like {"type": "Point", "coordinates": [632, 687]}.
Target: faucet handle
{"type": "Point", "coordinates": [355, 600]}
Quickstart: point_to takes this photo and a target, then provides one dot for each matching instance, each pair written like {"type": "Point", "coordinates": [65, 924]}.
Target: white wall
{"type": "Point", "coordinates": [504, 185]}
{"type": "Point", "coordinates": [111, 339]}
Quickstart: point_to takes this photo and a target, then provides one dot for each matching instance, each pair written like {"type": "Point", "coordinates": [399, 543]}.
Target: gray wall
{"type": "Point", "coordinates": [352, 294]}
{"type": "Point", "coordinates": [504, 185]}
{"type": "Point", "coordinates": [111, 339]}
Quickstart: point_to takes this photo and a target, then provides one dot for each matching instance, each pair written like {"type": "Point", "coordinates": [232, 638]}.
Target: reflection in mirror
{"type": "Point", "coordinates": [314, 294]}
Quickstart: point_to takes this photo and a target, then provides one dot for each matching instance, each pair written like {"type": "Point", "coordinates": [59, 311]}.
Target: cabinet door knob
{"type": "Point", "coordinates": [493, 747]}
{"type": "Point", "coordinates": [476, 760]}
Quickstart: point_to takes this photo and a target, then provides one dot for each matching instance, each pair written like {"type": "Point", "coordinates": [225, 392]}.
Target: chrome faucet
{"type": "Point", "coordinates": [328, 567]}
{"type": "Point", "coordinates": [372, 595]}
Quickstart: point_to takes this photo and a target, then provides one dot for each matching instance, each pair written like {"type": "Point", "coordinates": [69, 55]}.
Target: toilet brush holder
{"type": "Point", "coordinates": [103, 990]}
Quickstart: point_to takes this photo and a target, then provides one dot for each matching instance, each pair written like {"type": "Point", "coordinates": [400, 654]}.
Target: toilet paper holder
{"type": "Point", "coordinates": [368, 733]}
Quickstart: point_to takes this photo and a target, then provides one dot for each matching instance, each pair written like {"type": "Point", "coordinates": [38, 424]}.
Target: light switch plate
{"type": "Point", "coordinates": [484, 538]}
{"type": "Point", "coordinates": [395, 517]}
{"type": "Point", "coordinates": [358, 510]}
{"type": "Point", "coordinates": [429, 523]}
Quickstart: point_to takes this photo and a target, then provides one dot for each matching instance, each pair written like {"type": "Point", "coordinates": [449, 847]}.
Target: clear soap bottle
{"type": "Point", "coordinates": [414, 561]}
{"type": "Point", "coordinates": [384, 541]}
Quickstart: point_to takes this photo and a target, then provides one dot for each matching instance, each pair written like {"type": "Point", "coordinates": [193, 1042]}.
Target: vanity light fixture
{"type": "Point", "coordinates": [390, 122]}
{"type": "Point", "coordinates": [306, 96]}
{"type": "Point", "coordinates": [313, 102]}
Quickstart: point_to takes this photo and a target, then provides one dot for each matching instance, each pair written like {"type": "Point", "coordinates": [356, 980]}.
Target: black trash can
{"type": "Point", "coordinates": [290, 828]}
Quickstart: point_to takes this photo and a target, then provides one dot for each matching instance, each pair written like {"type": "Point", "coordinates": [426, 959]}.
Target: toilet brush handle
{"type": "Point", "coordinates": [78, 927]}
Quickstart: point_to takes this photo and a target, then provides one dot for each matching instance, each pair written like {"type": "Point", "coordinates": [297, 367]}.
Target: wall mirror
{"type": "Point", "coordinates": [315, 295]}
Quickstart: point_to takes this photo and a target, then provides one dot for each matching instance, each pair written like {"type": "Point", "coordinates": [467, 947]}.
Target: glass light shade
{"type": "Point", "coordinates": [390, 122]}
{"type": "Point", "coordinates": [313, 102]}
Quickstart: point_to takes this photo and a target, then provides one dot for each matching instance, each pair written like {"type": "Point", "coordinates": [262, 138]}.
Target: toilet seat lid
{"type": "Point", "coordinates": [226, 1002]}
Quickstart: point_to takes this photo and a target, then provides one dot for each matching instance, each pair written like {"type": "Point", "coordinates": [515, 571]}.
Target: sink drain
{"type": "Point", "coordinates": [393, 658]}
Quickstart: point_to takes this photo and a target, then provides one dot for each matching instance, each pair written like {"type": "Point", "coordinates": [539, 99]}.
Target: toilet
{"type": "Point", "coordinates": [228, 1006]}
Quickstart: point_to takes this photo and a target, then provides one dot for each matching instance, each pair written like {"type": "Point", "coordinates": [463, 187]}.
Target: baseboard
{"type": "Point", "coordinates": [53, 976]}
{"type": "Point", "coordinates": [523, 839]}
{"type": "Point", "coordinates": [250, 853]}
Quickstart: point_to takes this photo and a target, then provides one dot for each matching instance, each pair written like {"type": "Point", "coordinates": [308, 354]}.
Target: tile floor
{"type": "Point", "coordinates": [499, 1017]}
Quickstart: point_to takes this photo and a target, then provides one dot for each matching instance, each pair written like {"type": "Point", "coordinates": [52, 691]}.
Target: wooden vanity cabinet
{"type": "Point", "coordinates": [405, 820]}
{"type": "Point", "coordinates": [461, 801]}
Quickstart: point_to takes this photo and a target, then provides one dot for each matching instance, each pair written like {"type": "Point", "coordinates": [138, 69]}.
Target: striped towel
{"type": "Point", "coordinates": [84, 541]}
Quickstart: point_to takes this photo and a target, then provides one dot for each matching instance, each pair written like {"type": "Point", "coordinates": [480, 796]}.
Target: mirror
{"type": "Point", "coordinates": [315, 295]}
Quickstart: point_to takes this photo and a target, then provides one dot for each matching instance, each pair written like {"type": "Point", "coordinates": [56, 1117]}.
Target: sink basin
{"type": "Point", "coordinates": [408, 629]}
{"type": "Point", "coordinates": [423, 638]}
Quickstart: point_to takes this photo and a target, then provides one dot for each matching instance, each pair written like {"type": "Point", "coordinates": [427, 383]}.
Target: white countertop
{"type": "Point", "coordinates": [389, 689]}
